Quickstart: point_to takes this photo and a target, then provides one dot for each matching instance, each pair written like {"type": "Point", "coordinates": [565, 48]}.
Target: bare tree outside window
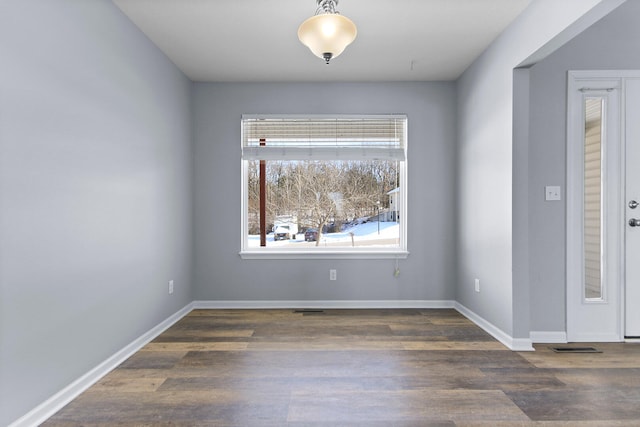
{"type": "Point", "coordinates": [326, 196]}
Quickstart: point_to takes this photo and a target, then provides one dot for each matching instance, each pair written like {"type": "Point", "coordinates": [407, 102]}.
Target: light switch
{"type": "Point", "coordinates": [552, 192]}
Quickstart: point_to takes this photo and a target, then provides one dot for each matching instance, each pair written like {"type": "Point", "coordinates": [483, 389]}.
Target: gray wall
{"type": "Point", "coordinates": [428, 273]}
{"type": "Point", "coordinates": [611, 43]}
{"type": "Point", "coordinates": [95, 192]}
{"type": "Point", "coordinates": [96, 186]}
{"type": "Point", "coordinates": [488, 232]}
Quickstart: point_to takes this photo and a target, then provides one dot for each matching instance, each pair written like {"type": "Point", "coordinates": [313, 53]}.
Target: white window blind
{"type": "Point", "coordinates": [381, 137]}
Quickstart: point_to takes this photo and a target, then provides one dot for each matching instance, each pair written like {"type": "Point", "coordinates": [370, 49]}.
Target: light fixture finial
{"type": "Point", "coordinates": [327, 33]}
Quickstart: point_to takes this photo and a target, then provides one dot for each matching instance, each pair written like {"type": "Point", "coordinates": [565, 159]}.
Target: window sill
{"type": "Point", "coordinates": [276, 254]}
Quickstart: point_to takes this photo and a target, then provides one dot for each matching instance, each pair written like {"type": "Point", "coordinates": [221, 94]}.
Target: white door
{"type": "Point", "coordinates": [595, 214]}
{"type": "Point", "coordinates": [632, 233]}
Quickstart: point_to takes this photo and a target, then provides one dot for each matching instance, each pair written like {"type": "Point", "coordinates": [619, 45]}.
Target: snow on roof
{"type": "Point", "coordinates": [395, 190]}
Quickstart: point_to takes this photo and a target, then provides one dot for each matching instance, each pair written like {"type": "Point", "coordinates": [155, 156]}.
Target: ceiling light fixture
{"type": "Point", "coordinates": [327, 33]}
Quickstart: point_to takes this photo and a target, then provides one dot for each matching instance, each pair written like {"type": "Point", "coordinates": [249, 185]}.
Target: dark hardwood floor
{"type": "Point", "coordinates": [355, 368]}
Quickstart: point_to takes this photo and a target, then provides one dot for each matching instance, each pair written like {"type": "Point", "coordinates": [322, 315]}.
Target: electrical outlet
{"type": "Point", "coordinates": [333, 275]}
{"type": "Point", "coordinates": [477, 285]}
{"type": "Point", "coordinates": [170, 287]}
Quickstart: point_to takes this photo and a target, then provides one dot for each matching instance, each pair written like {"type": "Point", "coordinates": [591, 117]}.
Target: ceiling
{"type": "Point", "coordinates": [256, 40]}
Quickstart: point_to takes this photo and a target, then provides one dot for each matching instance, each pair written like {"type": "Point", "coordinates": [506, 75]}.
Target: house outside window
{"type": "Point", "coordinates": [394, 205]}
{"type": "Point", "coordinates": [324, 186]}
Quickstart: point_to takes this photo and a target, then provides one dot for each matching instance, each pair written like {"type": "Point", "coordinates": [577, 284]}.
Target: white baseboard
{"type": "Point", "coordinates": [56, 402]}
{"type": "Point", "coordinates": [549, 337]}
{"type": "Point", "coordinates": [515, 344]}
{"type": "Point", "coordinates": [327, 304]}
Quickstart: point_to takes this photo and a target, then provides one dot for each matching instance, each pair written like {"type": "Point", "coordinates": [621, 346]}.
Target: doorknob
{"type": "Point", "coordinates": [634, 222]}
{"type": "Point", "coordinates": [633, 204]}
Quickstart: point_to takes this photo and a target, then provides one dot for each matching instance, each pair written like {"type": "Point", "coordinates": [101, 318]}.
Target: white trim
{"type": "Point", "coordinates": [56, 402]}
{"type": "Point", "coordinates": [593, 337]}
{"type": "Point", "coordinates": [322, 254]}
{"type": "Point", "coordinates": [49, 407]}
{"type": "Point", "coordinates": [548, 337]}
{"type": "Point", "coordinates": [327, 304]}
{"type": "Point", "coordinates": [515, 344]}
{"type": "Point", "coordinates": [521, 344]}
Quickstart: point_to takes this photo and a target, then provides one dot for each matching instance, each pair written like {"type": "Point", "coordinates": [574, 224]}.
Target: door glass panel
{"type": "Point", "coordinates": [593, 289]}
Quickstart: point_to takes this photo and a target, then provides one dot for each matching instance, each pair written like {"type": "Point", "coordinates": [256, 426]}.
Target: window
{"type": "Point", "coordinates": [593, 197]}
{"type": "Point", "coordinates": [324, 186]}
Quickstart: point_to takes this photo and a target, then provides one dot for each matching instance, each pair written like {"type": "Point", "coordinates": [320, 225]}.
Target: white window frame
{"type": "Point", "coordinates": [400, 252]}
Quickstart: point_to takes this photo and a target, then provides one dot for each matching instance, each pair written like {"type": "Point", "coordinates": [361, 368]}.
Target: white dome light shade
{"type": "Point", "coordinates": [327, 34]}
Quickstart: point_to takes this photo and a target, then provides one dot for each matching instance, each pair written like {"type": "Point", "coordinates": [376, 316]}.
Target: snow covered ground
{"type": "Point", "coordinates": [365, 234]}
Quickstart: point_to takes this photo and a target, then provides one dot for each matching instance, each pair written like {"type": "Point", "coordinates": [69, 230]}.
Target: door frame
{"type": "Point", "coordinates": [580, 82]}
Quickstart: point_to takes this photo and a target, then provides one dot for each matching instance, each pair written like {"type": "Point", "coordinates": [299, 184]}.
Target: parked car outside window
{"type": "Point", "coordinates": [311, 235]}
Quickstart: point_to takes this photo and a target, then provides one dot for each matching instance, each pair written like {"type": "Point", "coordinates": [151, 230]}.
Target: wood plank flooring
{"type": "Point", "coordinates": [355, 368]}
